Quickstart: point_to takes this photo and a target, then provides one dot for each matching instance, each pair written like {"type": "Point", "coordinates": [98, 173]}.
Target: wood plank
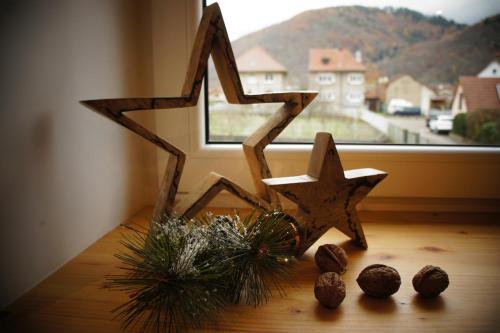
{"type": "Point", "coordinates": [465, 245]}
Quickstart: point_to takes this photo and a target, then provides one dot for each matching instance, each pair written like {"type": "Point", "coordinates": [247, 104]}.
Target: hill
{"type": "Point", "coordinates": [395, 41]}
{"type": "Point", "coordinates": [444, 60]}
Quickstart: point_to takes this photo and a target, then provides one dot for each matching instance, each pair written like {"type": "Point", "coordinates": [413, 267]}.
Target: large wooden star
{"type": "Point", "coordinates": [211, 39]}
{"type": "Point", "coordinates": [327, 196]}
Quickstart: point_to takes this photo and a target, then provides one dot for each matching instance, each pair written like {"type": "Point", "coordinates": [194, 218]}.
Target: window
{"type": "Point", "coordinates": [354, 97]}
{"type": "Point", "coordinates": [251, 80]}
{"type": "Point", "coordinates": [269, 78]}
{"type": "Point", "coordinates": [355, 78]}
{"type": "Point", "coordinates": [325, 78]}
{"type": "Point", "coordinates": [327, 96]}
{"type": "Point", "coordinates": [345, 70]}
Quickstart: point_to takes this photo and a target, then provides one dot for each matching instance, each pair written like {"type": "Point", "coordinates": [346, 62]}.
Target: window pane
{"type": "Point", "coordinates": [429, 74]}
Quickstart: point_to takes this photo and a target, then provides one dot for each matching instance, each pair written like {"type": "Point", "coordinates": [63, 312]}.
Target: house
{"type": "Point", "coordinates": [474, 93]}
{"type": "Point", "coordinates": [372, 100]}
{"type": "Point", "coordinates": [338, 77]}
{"type": "Point", "coordinates": [260, 72]}
{"type": "Point", "coordinates": [443, 97]}
{"type": "Point", "coordinates": [493, 68]}
{"type": "Point", "coordinates": [407, 88]}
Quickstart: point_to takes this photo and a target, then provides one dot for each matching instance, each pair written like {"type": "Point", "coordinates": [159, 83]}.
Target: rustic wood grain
{"type": "Point", "coordinates": [254, 145]}
{"type": "Point", "coordinates": [211, 38]}
{"type": "Point", "coordinates": [327, 196]}
{"type": "Point", "coordinates": [465, 245]}
{"type": "Point", "coordinates": [209, 188]}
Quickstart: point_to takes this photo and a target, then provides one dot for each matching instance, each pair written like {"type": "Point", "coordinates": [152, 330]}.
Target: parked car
{"type": "Point", "coordinates": [442, 124]}
{"type": "Point", "coordinates": [402, 107]}
{"type": "Point", "coordinates": [434, 113]}
{"type": "Point", "coordinates": [409, 111]}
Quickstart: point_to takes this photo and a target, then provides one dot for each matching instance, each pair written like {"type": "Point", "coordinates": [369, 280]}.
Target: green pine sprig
{"type": "Point", "coordinates": [180, 273]}
{"type": "Point", "coordinates": [170, 288]}
{"type": "Point", "coordinates": [258, 252]}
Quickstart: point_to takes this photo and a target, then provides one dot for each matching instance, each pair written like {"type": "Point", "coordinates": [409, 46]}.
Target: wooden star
{"type": "Point", "coordinates": [327, 196]}
{"type": "Point", "coordinates": [211, 39]}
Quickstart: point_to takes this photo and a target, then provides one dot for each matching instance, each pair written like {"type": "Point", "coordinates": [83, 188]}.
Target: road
{"type": "Point", "coordinates": [417, 125]}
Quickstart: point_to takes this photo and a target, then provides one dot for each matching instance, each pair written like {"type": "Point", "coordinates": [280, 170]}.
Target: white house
{"type": "Point", "coordinates": [407, 88]}
{"type": "Point", "coordinates": [339, 78]}
{"type": "Point", "coordinates": [260, 72]}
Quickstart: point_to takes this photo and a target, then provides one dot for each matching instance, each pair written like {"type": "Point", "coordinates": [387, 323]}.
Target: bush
{"type": "Point", "coordinates": [476, 119]}
{"type": "Point", "coordinates": [489, 133]}
{"type": "Point", "coordinates": [460, 124]}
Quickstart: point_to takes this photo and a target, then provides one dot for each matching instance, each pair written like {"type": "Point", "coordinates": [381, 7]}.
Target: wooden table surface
{"type": "Point", "coordinates": [467, 246]}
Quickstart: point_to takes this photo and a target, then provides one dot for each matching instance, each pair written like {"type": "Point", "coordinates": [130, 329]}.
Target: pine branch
{"type": "Point", "coordinates": [172, 285]}
{"type": "Point", "coordinates": [257, 253]}
{"type": "Point", "coordinates": [182, 273]}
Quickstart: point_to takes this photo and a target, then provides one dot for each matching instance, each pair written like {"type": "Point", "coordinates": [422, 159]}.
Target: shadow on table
{"type": "Point", "coordinates": [351, 247]}
{"type": "Point", "coordinates": [377, 305]}
{"type": "Point", "coordinates": [429, 304]}
{"type": "Point", "coordinates": [325, 314]}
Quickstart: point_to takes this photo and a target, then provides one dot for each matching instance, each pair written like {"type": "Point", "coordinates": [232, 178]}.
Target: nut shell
{"type": "Point", "coordinates": [331, 258]}
{"type": "Point", "coordinates": [430, 281]}
{"type": "Point", "coordinates": [329, 289]}
{"type": "Point", "coordinates": [379, 280]}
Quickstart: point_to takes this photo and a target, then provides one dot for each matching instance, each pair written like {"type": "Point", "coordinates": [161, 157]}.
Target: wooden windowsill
{"type": "Point", "coordinates": [465, 245]}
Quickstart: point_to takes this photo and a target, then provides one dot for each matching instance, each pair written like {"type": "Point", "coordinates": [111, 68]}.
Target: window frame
{"type": "Point", "coordinates": [325, 78]}
{"type": "Point", "coordinates": [207, 145]}
{"type": "Point", "coordinates": [269, 78]}
{"type": "Point", "coordinates": [359, 79]}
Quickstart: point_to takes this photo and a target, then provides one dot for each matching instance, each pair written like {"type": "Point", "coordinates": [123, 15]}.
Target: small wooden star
{"type": "Point", "coordinates": [327, 196]}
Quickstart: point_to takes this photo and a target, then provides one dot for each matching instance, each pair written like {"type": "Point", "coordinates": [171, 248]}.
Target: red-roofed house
{"type": "Point", "coordinates": [260, 72]}
{"type": "Point", "coordinates": [474, 93]}
{"type": "Point", "coordinates": [338, 77]}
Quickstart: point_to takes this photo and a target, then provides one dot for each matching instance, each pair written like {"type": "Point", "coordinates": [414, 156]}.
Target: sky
{"type": "Point", "coordinates": [245, 16]}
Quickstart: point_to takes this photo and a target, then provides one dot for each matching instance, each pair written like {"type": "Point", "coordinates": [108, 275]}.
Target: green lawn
{"type": "Point", "coordinates": [235, 122]}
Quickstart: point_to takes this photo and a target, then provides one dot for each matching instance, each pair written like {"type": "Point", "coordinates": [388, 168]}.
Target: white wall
{"type": "Point", "coordinates": [456, 108]}
{"type": "Point", "coordinates": [68, 175]}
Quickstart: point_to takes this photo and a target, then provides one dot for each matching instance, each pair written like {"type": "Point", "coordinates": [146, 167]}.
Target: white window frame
{"type": "Point", "coordinates": [355, 79]}
{"type": "Point", "coordinates": [356, 100]}
{"type": "Point", "coordinates": [251, 80]}
{"type": "Point", "coordinates": [325, 79]}
{"type": "Point", "coordinates": [269, 78]}
{"type": "Point", "coordinates": [327, 96]}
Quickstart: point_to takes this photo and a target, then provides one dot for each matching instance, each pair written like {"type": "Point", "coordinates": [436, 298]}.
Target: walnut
{"type": "Point", "coordinates": [329, 289]}
{"type": "Point", "coordinates": [379, 280]}
{"type": "Point", "coordinates": [430, 281]}
{"type": "Point", "coordinates": [331, 258]}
